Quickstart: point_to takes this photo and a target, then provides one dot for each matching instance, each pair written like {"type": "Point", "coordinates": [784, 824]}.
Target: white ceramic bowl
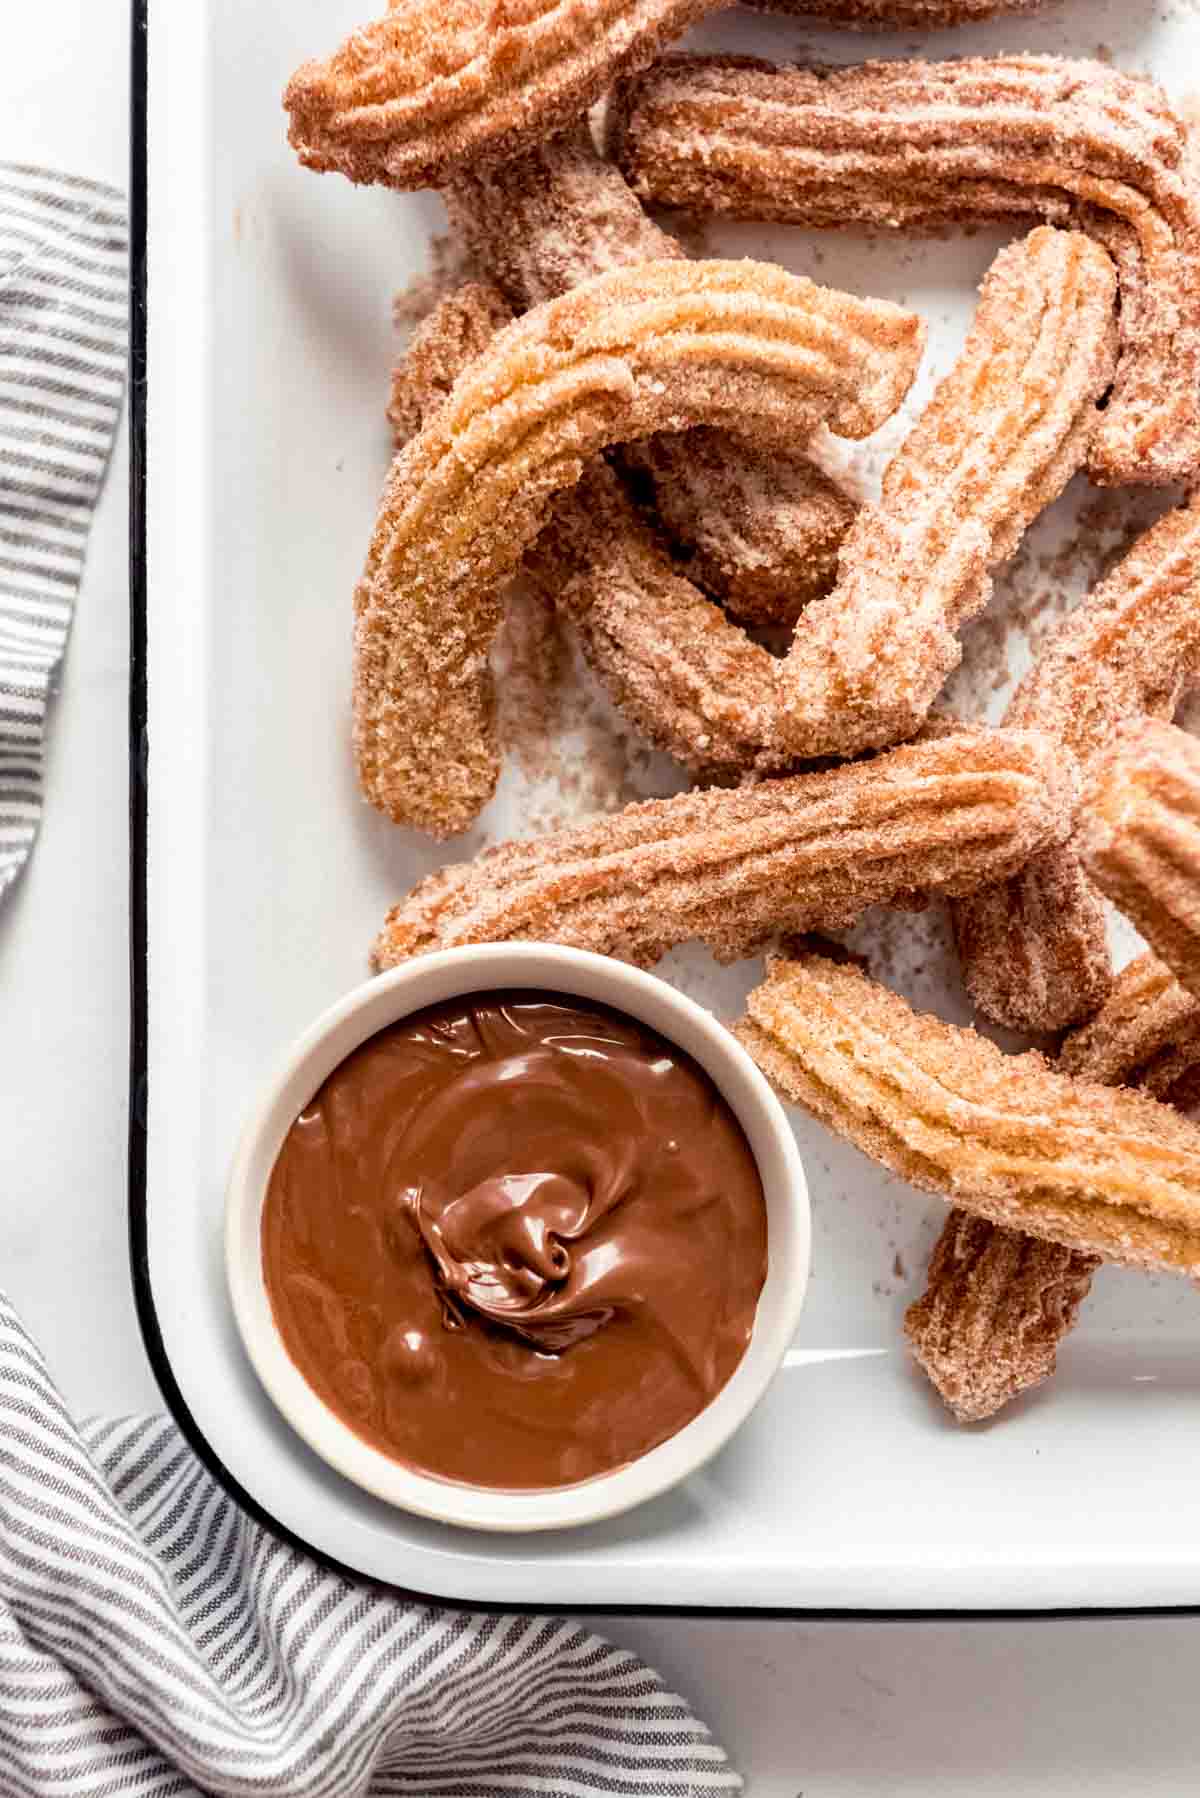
{"type": "Point", "coordinates": [427, 981]}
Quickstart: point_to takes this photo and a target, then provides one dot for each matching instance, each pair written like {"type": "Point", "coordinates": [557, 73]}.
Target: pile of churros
{"type": "Point", "coordinates": [595, 414]}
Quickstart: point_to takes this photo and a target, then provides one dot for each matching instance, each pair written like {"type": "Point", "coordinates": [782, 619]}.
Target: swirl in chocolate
{"type": "Point", "coordinates": [516, 1240]}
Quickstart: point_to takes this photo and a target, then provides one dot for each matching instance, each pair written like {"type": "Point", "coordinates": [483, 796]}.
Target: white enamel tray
{"type": "Point", "coordinates": [260, 879]}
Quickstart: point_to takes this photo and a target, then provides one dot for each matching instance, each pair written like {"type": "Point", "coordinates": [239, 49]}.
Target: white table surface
{"type": "Point", "coordinates": [808, 1710]}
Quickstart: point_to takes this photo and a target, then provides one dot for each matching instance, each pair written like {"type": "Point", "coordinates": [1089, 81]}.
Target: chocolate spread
{"type": "Point", "coordinates": [515, 1240]}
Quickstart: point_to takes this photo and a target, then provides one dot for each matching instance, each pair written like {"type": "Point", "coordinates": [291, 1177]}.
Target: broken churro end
{"type": "Point", "coordinates": [997, 1305]}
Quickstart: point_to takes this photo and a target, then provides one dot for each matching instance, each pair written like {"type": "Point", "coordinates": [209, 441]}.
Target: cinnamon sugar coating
{"type": "Point", "coordinates": [1002, 435]}
{"type": "Point", "coordinates": [660, 346]}
{"type": "Point", "coordinates": [996, 1307]}
{"type": "Point", "coordinates": [1009, 1138]}
{"type": "Point", "coordinates": [690, 682]}
{"type": "Point", "coordinates": [733, 867]}
{"type": "Point", "coordinates": [1034, 952]}
{"type": "Point", "coordinates": [1139, 838]}
{"type": "Point", "coordinates": [997, 1302]}
{"type": "Point", "coordinates": [459, 328]}
{"type": "Point", "coordinates": [555, 216]}
{"type": "Point", "coordinates": [759, 529]}
{"type": "Point", "coordinates": [437, 84]}
{"type": "Point", "coordinates": [918, 146]}
{"type": "Point", "coordinates": [1147, 1034]}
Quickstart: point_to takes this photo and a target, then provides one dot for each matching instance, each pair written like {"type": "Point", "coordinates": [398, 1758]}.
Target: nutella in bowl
{"type": "Point", "coordinates": [516, 1240]}
{"type": "Point", "coordinates": [516, 1237]}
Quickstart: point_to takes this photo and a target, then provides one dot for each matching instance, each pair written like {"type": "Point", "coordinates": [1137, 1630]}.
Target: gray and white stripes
{"type": "Point", "coordinates": [63, 330]}
{"type": "Point", "coordinates": [154, 1640]}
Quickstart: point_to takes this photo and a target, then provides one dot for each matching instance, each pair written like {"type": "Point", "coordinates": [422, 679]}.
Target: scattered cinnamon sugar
{"type": "Point", "coordinates": [575, 756]}
{"type": "Point", "coordinates": [913, 953]}
{"type": "Point", "coordinates": [532, 663]}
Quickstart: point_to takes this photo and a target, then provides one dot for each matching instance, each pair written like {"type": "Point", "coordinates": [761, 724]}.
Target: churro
{"type": "Point", "coordinates": [1147, 1034]}
{"type": "Point", "coordinates": [918, 146]}
{"type": "Point", "coordinates": [1001, 437]}
{"type": "Point", "coordinates": [996, 1306]}
{"type": "Point", "coordinates": [667, 344]}
{"type": "Point", "coordinates": [733, 867]}
{"type": "Point", "coordinates": [1009, 1138]}
{"type": "Point", "coordinates": [998, 1302]}
{"type": "Point", "coordinates": [1139, 838]}
{"type": "Point", "coordinates": [447, 340]}
{"type": "Point", "coordinates": [436, 84]}
{"type": "Point", "coordinates": [691, 682]}
{"type": "Point", "coordinates": [1035, 952]}
{"type": "Point", "coordinates": [762, 532]}
{"type": "Point", "coordinates": [760, 529]}
{"type": "Point", "coordinates": [542, 222]}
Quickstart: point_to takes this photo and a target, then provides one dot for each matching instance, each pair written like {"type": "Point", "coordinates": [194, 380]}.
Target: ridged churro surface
{"type": "Point", "coordinates": [997, 1304]}
{"type": "Point", "coordinates": [436, 84]}
{"type": "Point", "coordinates": [1007, 1137]}
{"type": "Point", "coordinates": [1147, 1033]}
{"type": "Point", "coordinates": [919, 145]}
{"type": "Point", "coordinates": [731, 868]}
{"type": "Point", "coordinates": [1139, 838]}
{"type": "Point", "coordinates": [1001, 437]}
{"type": "Point", "coordinates": [761, 531]}
{"type": "Point", "coordinates": [691, 682]}
{"type": "Point", "coordinates": [458, 329]}
{"type": "Point", "coordinates": [660, 346]}
{"type": "Point", "coordinates": [758, 528]}
{"type": "Point", "coordinates": [1035, 952]}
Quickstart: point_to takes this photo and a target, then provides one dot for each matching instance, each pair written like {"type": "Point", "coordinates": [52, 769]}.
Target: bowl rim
{"type": "Point", "coordinates": [389, 997]}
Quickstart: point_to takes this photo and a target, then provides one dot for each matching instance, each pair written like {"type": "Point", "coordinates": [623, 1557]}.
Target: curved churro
{"type": "Point", "coordinates": [742, 345]}
{"type": "Point", "coordinates": [435, 84]}
{"type": "Point", "coordinates": [1139, 839]}
{"type": "Point", "coordinates": [996, 1306]}
{"type": "Point", "coordinates": [1034, 951]}
{"type": "Point", "coordinates": [917, 146]}
{"type": "Point", "coordinates": [1001, 437]}
{"type": "Point", "coordinates": [1147, 1034]}
{"type": "Point", "coordinates": [690, 681]}
{"type": "Point", "coordinates": [731, 868]}
{"type": "Point", "coordinates": [1098, 1169]}
{"type": "Point", "coordinates": [758, 528]}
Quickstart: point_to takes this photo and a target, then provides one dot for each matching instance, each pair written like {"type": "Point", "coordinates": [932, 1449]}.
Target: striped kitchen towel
{"type": "Point", "coordinates": [155, 1641]}
{"type": "Point", "coordinates": [63, 321]}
